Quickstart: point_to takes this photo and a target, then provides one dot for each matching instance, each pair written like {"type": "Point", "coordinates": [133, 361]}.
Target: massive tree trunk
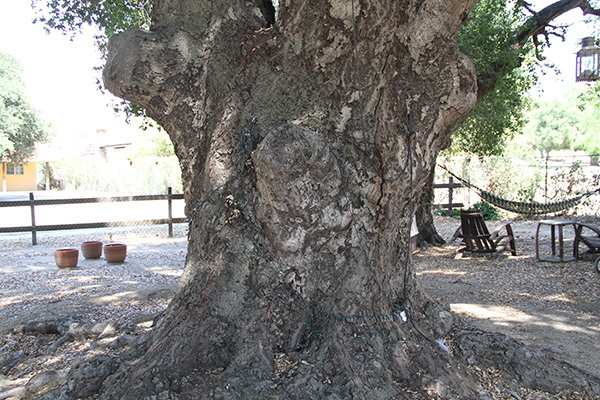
{"type": "Point", "coordinates": [423, 213]}
{"type": "Point", "coordinates": [302, 148]}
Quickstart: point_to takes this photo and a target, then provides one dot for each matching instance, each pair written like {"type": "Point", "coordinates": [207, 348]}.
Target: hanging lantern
{"type": "Point", "coordinates": [588, 61]}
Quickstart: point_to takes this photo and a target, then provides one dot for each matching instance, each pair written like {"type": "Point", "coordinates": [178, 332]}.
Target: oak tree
{"type": "Point", "coordinates": [20, 125]}
{"type": "Point", "coordinates": [303, 144]}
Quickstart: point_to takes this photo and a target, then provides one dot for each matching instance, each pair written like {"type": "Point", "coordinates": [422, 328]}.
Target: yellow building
{"type": "Point", "coordinates": [19, 176]}
{"type": "Point", "coordinates": [23, 177]}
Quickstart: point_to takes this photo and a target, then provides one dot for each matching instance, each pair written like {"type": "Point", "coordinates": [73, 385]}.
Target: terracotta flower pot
{"type": "Point", "coordinates": [115, 252]}
{"type": "Point", "coordinates": [66, 258]}
{"type": "Point", "coordinates": [91, 249]}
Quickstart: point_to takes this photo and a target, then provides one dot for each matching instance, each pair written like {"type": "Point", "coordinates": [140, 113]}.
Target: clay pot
{"type": "Point", "coordinates": [66, 258]}
{"type": "Point", "coordinates": [115, 253]}
{"type": "Point", "coordinates": [91, 249]}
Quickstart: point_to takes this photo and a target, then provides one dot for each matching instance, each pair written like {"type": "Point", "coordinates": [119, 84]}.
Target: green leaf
{"type": "Point", "coordinates": [20, 126]}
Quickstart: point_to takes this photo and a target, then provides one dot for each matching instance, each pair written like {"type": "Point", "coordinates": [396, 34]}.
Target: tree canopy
{"type": "Point", "coordinates": [589, 138]}
{"type": "Point", "coordinates": [497, 38]}
{"type": "Point", "coordinates": [20, 125]}
{"type": "Point", "coordinates": [553, 126]}
{"type": "Point", "coordinates": [487, 39]}
{"type": "Point", "coordinates": [112, 16]}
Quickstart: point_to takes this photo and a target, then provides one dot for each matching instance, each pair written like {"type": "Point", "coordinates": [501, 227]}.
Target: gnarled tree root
{"type": "Point", "coordinates": [529, 367]}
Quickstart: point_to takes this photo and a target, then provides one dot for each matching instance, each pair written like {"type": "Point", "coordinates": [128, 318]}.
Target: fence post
{"type": "Point", "coordinates": [33, 230]}
{"type": "Point", "coordinates": [170, 205]}
{"type": "Point", "coordinates": [450, 190]}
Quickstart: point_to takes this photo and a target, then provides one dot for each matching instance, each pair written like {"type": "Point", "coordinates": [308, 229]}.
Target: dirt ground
{"type": "Point", "coordinates": [553, 306]}
{"type": "Point", "coordinates": [33, 288]}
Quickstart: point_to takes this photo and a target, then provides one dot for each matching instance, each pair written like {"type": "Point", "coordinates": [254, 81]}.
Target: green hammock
{"type": "Point", "coordinates": [522, 207]}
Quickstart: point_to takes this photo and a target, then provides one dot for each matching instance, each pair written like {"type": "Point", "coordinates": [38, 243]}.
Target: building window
{"type": "Point", "coordinates": [14, 169]}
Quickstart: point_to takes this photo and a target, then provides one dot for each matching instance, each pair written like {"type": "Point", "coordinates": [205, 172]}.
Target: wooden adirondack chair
{"type": "Point", "coordinates": [478, 239]}
{"type": "Point", "coordinates": [590, 239]}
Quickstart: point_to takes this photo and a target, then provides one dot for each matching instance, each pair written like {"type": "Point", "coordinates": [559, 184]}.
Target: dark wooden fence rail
{"type": "Point", "coordinates": [451, 185]}
{"type": "Point", "coordinates": [34, 228]}
{"type": "Point", "coordinates": [32, 203]}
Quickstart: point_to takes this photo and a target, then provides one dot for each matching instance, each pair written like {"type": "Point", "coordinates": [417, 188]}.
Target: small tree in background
{"type": "Point", "coordinates": [589, 138]}
{"type": "Point", "coordinates": [554, 126]}
{"type": "Point", "coordinates": [20, 125]}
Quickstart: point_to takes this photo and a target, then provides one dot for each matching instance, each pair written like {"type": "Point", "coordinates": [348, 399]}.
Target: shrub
{"type": "Point", "coordinates": [444, 212]}
{"type": "Point", "coordinates": [488, 211]}
{"type": "Point", "coordinates": [150, 175]}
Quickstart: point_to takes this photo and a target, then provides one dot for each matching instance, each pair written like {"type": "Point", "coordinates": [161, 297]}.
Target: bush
{"type": "Point", "coordinates": [150, 175]}
{"type": "Point", "coordinates": [444, 212]}
{"type": "Point", "coordinates": [488, 211]}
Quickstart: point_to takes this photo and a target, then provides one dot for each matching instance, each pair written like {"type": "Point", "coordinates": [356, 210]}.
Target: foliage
{"type": "Point", "coordinates": [571, 122]}
{"type": "Point", "coordinates": [20, 125]}
{"type": "Point", "coordinates": [155, 144]}
{"type": "Point", "coordinates": [513, 179]}
{"type": "Point", "coordinates": [443, 212]}
{"type": "Point", "coordinates": [527, 191]}
{"type": "Point", "coordinates": [502, 179]}
{"type": "Point", "coordinates": [488, 39]}
{"type": "Point", "coordinates": [568, 182]}
{"type": "Point", "coordinates": [495, 119]}
{"type": "Point", "coordinates": [149, 175]}
{"type": "Point", "coordinates": [589, 103]}
{"type": "Point", "coordinates": [488, 211]}
{"type": "Point", "coordinates": [553, 125]}
{"type": "Point", "coordinates": [111, 16]}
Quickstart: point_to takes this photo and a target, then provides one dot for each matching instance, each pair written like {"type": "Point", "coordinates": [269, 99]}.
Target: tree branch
{"type": "Point", "coordinates": [537, 23]}
{"type": "Point", "coordinates": [535, 26]}
{"type": "Point", "coordinates": [199, 15]}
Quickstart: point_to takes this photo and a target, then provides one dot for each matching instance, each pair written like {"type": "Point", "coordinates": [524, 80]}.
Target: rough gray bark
{"type": "Point", "coordinates": [299, 178]}
{"type": "Point", "coordinates": [424, 216]}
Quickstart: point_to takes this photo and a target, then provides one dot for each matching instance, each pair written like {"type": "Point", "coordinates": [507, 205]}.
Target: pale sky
{"type": "Point", "coordinates": [59, 74]}
{"type": "Point", "coordinates": [61, 81]}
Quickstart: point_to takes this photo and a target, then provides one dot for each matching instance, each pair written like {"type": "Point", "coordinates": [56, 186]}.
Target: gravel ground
{"type": "Point", "coordinates": [128, 295]}
{"type": "Point", "coordinates": [33, 287]}
{"type": "Point", "coordinates": [555, 306]}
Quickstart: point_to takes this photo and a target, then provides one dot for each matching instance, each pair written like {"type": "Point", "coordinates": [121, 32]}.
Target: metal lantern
{"type": "Point", "coordinates": [588, 61]}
